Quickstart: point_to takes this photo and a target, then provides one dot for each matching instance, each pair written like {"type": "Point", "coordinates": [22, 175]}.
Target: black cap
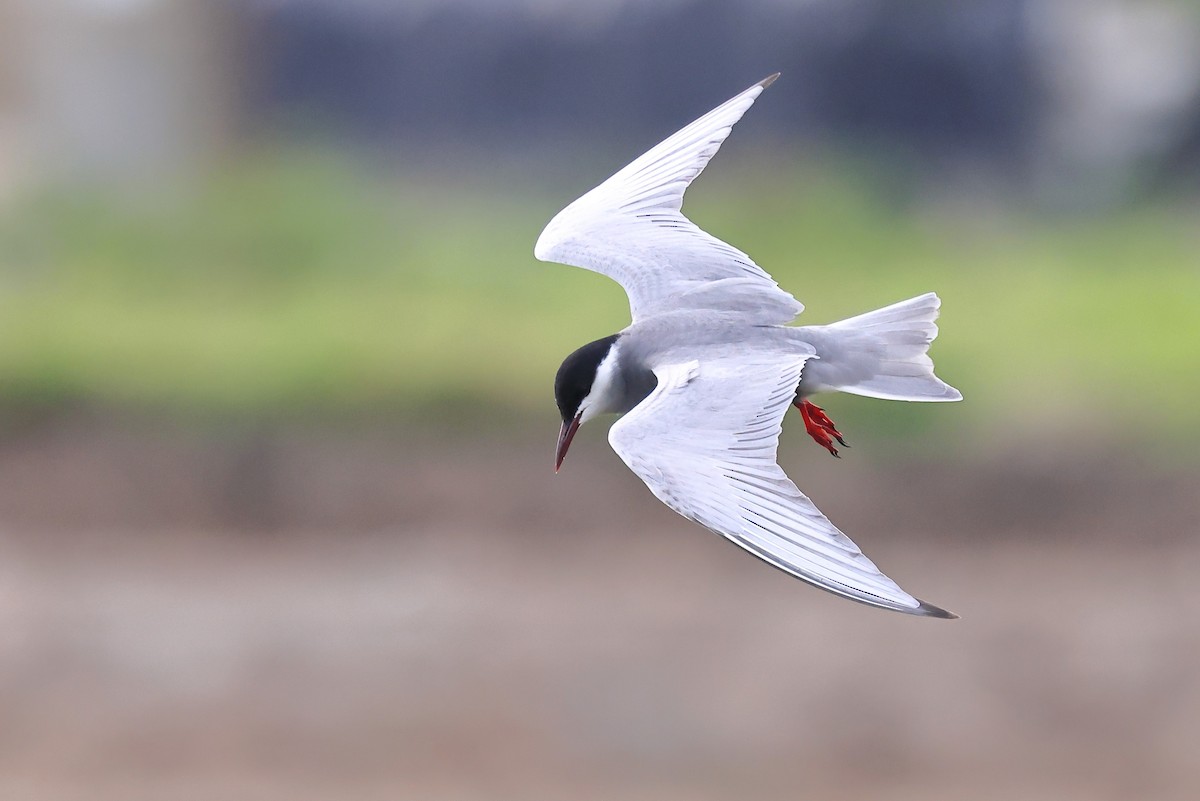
{"type": "Point", "coordinates": [577, 374]}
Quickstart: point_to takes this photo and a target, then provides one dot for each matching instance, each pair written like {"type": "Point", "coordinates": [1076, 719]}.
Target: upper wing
{"type": "Point", "coordinates": [631, 229]}
{"type": "Point", "coordinates": [704, 442]}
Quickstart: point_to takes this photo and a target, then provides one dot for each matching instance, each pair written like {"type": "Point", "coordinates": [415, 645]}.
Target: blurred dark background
{"type": "Point", "coordinates": [277, 511]}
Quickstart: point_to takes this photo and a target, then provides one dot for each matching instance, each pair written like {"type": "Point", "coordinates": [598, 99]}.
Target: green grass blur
{"type": "Point", "coordinates": [299, 286]}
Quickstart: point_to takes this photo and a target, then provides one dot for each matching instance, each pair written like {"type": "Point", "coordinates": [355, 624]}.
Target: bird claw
{"type": "Point", "coordinates": [820, 427]}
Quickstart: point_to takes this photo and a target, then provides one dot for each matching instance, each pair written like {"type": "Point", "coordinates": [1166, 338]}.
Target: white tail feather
{"type": "Point", "coordinates": [897, 339]}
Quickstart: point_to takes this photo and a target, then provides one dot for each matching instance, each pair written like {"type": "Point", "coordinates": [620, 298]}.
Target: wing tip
{"type": "Point", "coordinates": [929, 610]}
{"type": "Point", "coordinates": [767, 81]}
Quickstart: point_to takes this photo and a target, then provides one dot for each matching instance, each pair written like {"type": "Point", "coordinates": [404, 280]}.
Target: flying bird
{"type": "Point", "coordinates": [708, 367]}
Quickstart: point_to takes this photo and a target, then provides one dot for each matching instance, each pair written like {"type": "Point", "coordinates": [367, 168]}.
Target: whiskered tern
{"type": "Point", "coordinates": [708, 367]}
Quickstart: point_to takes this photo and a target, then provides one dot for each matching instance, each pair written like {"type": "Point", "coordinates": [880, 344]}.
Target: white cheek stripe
{"type": "Point", "coordinates": [605, 394]}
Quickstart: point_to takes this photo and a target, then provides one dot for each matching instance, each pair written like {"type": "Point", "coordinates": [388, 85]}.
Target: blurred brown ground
{"type": "Point", "coordinates": [317, 613]}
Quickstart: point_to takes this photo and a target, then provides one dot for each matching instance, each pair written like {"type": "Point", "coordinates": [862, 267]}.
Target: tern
{"type": "Point", "coordinates": [708, 367]}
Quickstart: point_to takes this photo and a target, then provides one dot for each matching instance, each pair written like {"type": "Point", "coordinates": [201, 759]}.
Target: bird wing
{"type": "Point", "coordinates": [631, 229]}
{"type": "Point", "coordinates": [705, 441]}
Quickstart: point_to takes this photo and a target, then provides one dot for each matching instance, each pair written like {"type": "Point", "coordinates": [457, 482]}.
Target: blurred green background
{"type": "Point", "coordinates": [278, 517]}
{"type": "Point", "coordinates": [298, 284]}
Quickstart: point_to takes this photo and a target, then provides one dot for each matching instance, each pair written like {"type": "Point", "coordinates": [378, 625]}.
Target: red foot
{"type": "Point", "coordinates": [819, 426]}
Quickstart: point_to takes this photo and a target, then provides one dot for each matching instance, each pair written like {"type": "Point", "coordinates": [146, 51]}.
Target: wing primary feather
{"type": "Point", "coordinates": [704, 442]}
{"type": "Point", "coordinates": [631, 228]}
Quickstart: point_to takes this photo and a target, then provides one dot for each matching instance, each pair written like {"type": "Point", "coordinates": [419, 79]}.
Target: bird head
{"type": "Point", "coordinates": [580, 395]}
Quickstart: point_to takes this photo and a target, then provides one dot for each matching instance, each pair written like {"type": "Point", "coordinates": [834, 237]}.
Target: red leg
{"type": "Point", "coordinates": [820, 418]}
{"type": "Point", "coordinates": [819, 426]}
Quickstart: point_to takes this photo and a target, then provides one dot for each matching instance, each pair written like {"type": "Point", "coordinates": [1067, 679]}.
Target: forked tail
{"type": "Point", "coordinates": [890, 348]}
